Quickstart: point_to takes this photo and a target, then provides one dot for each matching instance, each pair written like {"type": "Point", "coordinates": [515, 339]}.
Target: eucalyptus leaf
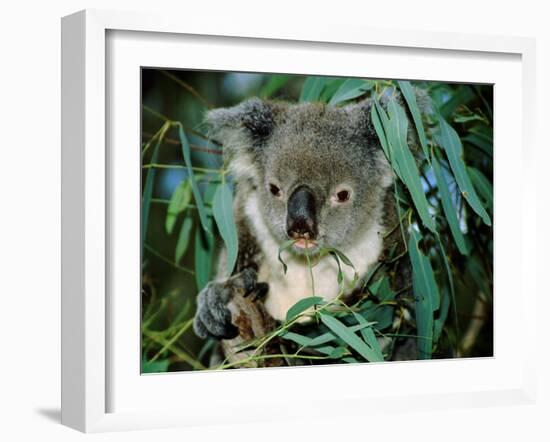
{"type": "Point", "coordinates": [282, 248]}
{"type": "Point", "coordinates": [330, 89]}
{"type": "Point", "coordinates": [304, 341]}
{"type": "Point", "coordinates": [181, 197]}
{"type": "Point", "coordinates": [368, 336]}
{"type": "Point", "coordinates": [196, 192]}
{"type": "Point", "coordinates": [448, 208]}
{"type": "Point", "coordinates": [410, 98]}
{"type": "Point", "coordinates": [204, 248]}
{"type": "Point", "coordinates": [483, 143]}
{"type": "Point", "coordinates": [350, 89]}
{"type": "Point", "coordinates": [275, 83]}
{"type": "Point", "coordinates": [222, 209]}
{"type": "Point", "coordinates": [329, 336]}
{"type": "Point", "coordinates": [483, 186]}
{"type": "Point", "coordinates": [375, 117]}
{"type": "Point", "coordinates": [439, 322]}
{"type": "Point", "coordinates": [148, 188]}
{"type": "Point", "coordinates": [426, 295]}
{"type": "Point", "coordinates": [183, 237]}
{"type": "Point", "coordinates": [339, 256]}
{"type": "Point", "coordinates": [302, 305]}
{"type": "Point", "coordinates": [450, 142]}
{"type": "Point", "coordinates": [312, 88]}
{"type": "Point", "coordinates": [407, 168]}
{"type": "Point", "coordinates": [350, 338]}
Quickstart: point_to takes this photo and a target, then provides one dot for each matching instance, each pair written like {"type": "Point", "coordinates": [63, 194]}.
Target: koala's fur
{"type": "Point", "coordinates": [325, 149]}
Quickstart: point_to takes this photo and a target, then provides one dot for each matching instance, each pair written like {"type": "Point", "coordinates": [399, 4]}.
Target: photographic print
{"type": "Point", "coordinates": [294, 220]}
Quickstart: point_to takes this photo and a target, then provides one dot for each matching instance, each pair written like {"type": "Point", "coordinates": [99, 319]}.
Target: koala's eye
{"type": "Point", "coordinates": [275, 191]}
{"type": "Point", "coordinates": [342, 196]}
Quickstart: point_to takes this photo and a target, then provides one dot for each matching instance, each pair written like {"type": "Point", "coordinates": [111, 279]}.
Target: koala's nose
{"type": "Point", "coordinates": [300, 220]}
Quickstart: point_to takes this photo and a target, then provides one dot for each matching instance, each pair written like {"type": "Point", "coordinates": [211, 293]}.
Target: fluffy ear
{"type": "Point", "coordinates": [363, 128]}
{"type": "Point", "coordinates": [243, 130]}
{"type": "Point", "coordinates": [360, 120]}
{"type": "Point", "coordinates": [250, 122]}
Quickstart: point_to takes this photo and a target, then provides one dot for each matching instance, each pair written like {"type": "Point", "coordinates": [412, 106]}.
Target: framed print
{"type": "Point", "coordinates": [251, 215]}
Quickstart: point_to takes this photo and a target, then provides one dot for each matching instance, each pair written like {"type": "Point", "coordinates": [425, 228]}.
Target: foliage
{"type": "Point", "coordinates": [443, 192]}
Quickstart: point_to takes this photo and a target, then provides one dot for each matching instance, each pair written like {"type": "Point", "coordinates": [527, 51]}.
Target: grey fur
{"type": "Point", "coordinates": [324, 147]}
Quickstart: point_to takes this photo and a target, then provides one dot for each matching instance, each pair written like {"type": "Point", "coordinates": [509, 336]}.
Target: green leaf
{"type": "Point", "coordinates": [483, 186]}
{"type": "Point", "coordinates": [333, 352]}
{"type": "Point", "coordinates": [329, 336]}
{"type": "Point", "coordinates": [282, 248]}
{"type": "Point", "coordinates": [448, 208]}
{"type": "Point", "coordinates": [450, 142]}
{"type": "Point", "coordinates": [204, 247]}
{"type": "Point", "coordinates": [330, 88]}
{"type": "Point", "coordinates": [222, 209]}
{"type": "Point", "coordinates": [482, 142]}
{"type": "Point", "coordinates": [350, 338]}
{"type": "Point", "coordinates": [379, 130]}
{"type": "Point", "coordinates": [302, 305]}
{"type": "Point", "coordinates": [196, 192]}
{"type": "Point", "coordinates": [459, 97]}
{"type": "Point", "coordinates": [275, 83]}
{"type": "Point", "coordinates": [158, 366]}
{"type": "Point", "coordinates": [368, 336]}
{"type": "Point", "coordinates": [468, 118]}
{"type": "Point", "coordinates": [339, 256]}
{"type": "Point", "coordinates": [442, 317]}
{"type": "Point", "coordinates": [321, 339]}
{"type": "Point", "coordinates": [382, 289]}
{"type": "Point", "coordinates": [312, 89]}
{"type": "Point", "coordinates": [148, 188]}
{"type": "Point", "coordinates": [407, 168]}
{"type": "Point", "coordinates": [181, 197]}
{"type": "Point", "coordinates": [351, 88]}
{"type": "Point", "coordinates": [297, 338]}
{"type": "Point", "coordinates": [448, 270]}
{"type": "Point", "coordinates": [410, 98]}
{"type": "Point", "coordinates": [426, 295]}
{"type": "Point", "coordinates": [183, 238]}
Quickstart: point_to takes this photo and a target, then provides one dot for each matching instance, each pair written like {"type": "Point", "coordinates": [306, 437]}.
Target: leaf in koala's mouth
{"type": "Point", "coordinates": [282, 248]}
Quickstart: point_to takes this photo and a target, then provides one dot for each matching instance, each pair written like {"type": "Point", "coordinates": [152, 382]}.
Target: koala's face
{"type": "Point", "coordinates": [318, 171]}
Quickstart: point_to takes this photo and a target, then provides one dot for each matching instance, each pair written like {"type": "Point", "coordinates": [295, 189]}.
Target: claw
{"type": "Point", "coordinates": [213, 318]}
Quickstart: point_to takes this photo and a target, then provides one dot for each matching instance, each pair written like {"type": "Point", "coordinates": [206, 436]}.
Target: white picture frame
{"type": "Point", "coordinates": [89, 324]}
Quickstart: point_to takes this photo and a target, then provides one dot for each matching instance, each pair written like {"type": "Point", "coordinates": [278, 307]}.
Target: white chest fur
{"type": "Point", "coordinates": [287, 289]}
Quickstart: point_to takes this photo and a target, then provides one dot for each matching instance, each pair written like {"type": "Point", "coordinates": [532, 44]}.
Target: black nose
{"type": "Point", "coordinates": [300, 219]}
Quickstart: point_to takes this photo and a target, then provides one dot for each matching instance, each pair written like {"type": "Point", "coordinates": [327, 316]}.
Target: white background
{"type": "Point", "coordinates": [30, 216]}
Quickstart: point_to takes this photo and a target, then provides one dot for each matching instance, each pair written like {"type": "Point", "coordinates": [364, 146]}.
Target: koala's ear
{"type": "Point", "coordinates": [362, 127]}
{"type": "Point", "coordinates": [360, 118]}
{"type": "Point", "coordinates": [247, 124]}
{"type": "Point", "coordinates": [243, 131]}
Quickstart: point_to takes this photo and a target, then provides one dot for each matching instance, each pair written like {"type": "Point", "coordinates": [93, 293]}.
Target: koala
{"type": "Point", "coordinates": [309, 172]}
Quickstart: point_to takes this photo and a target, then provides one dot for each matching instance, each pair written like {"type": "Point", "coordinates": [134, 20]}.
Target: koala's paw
{"type": "Point", "coordinates": [213, 318]}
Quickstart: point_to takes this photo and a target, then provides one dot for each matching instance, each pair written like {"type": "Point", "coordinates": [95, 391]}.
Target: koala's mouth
{"type": "Point", "coordinates": [303, 247]}
{"type": "Point", "coordinates": [305, 244]}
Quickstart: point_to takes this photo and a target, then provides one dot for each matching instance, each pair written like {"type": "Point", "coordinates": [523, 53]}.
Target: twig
{"type": "Point", "coordinates": [179, 353]}
{"type": "Point", "coordinates": [168, 260]}
{"type": "Point", "coordinates": [188, 88]}
{"type": "Point", "coordinates": [171, 121]}
{"type": "Point", "coordinates": [173, 339]}
{"type": "Point", "coordinates": [178, 166]}
{"type": "Point", "coordinates": [194, 147]}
